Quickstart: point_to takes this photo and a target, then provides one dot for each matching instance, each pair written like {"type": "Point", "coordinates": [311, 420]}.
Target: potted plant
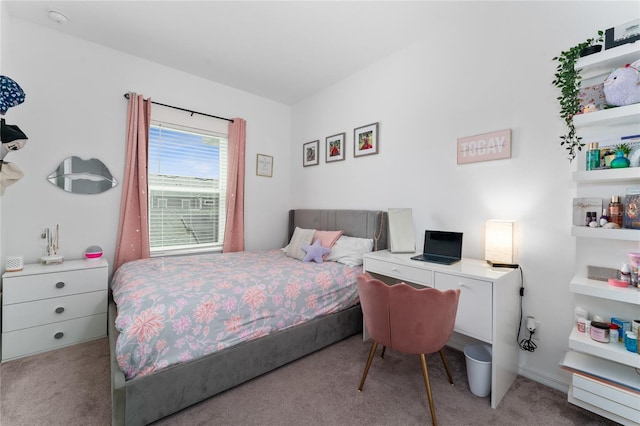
{"type": "Point", "coordinates": [567, 79]}
{"type": "Point", "coordinates": [626, 149]}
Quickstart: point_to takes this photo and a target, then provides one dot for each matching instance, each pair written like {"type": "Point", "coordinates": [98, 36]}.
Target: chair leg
{"type": "Point", "coordinates": [446, 365]}
{"type": "Point", "coordinates": [372, 352]}
{"type": "Point", "coordinates": [427, 384]}
{"type": "Point", "coordinates": [384, 348]}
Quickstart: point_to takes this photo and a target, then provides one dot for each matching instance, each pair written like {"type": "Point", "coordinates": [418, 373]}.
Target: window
{"type": "Point", "coordinates": [187, 172]}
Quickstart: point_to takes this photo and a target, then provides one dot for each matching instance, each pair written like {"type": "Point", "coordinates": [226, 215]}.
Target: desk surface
{"type": "Point", "coordinates": [473, 268]}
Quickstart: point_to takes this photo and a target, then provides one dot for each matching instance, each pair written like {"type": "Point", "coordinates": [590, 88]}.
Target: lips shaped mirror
{"type": "Point", "coordinates": [82, 176]}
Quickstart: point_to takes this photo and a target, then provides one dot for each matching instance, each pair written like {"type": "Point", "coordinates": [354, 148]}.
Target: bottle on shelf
{"type": "Point", "coordinates": [615, 210]}
{"type": "Point", "coordinates": [620, 161]}
{"type": "Point", "coordinates": [604, 218]}
{"type": "Point", "coordinates": [593, 156]}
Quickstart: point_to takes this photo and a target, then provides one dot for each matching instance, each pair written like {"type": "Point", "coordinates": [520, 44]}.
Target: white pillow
{"type": "Point", "coordinates": [301, 237]}
{"type": "Point", "coordinates": [349, 250]}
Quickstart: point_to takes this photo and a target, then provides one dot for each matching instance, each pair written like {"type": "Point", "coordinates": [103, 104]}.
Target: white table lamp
{"type": "Point", "coordinates": [499, 243]}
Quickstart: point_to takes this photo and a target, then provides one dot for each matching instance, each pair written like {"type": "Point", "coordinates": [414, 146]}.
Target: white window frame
{"type": "Point", "coordinates": [183, 121]}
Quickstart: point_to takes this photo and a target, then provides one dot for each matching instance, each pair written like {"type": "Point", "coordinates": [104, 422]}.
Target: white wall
{"type": "Point", "coordinates": [488, 69]}
{"type": "Point", "coordinates": [75, 106]}
{"type": "Point", "coordinates": [485, 67]}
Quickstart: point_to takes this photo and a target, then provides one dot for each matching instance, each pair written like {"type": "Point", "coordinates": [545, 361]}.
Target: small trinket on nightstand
{"type": "Point", "coordinates": [51, 256]}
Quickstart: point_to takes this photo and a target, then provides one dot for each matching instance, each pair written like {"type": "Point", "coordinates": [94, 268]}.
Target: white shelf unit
{"type": "Point", "coordinates": [610, 234]}
{"type": "Point", "coordinates": [603, 62]}
{"type": "Point", "coordinates": [602, 289]}
{"type": "Point", "coordinates": [626, 175]}
{"type": "Point", "coordinates": [623, 115]}
{"type": "Point", "coordinates": [599, 294]}
{"type": "Point", "coordinates": [614, 351]}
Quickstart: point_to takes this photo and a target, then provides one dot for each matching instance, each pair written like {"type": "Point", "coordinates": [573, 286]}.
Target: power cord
{"type": "Point", "coordinates": [521, 294]}
{"type": "Point", "coordinates": [525, 344]}
{"type": "Point", "coordinates": [528, 344]}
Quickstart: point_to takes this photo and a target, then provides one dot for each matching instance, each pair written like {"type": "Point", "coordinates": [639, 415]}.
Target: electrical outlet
{"type": "Point", "coordinates": [536, 335]}
{"type": "Point", "coordinates": [531, 323]}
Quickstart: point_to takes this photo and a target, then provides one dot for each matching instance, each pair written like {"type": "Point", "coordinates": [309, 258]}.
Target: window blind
{"type": "Point", "coordinates": [187, 170]}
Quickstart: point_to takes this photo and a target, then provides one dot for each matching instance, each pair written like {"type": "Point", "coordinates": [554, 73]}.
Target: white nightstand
{"type": "Point", "coordinates": [46, 307]}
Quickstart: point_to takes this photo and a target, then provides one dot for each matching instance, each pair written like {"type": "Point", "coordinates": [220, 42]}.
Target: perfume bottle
{"type": "Point", "coordinates": [604, 218]}
{"type": "Point", "coordinates": [593, 156]}
{"type": "Point", "coordinates": [615, 210]}
{"type": "Point", "coordinates": [620, 161]}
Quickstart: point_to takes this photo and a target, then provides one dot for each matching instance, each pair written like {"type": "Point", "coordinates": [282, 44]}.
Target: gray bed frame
{"type": "Point", "coordinates": [146, 399]}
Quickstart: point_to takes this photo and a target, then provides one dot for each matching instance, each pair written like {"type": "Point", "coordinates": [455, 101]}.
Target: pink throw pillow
{"type": "Point", "coordinates": [327, 238]}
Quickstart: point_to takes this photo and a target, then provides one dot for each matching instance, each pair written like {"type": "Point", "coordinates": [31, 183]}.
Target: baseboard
{"type": "Point", "coordinates": [459, 341]}
{"type": "Point", "coordinates": [554, 382]}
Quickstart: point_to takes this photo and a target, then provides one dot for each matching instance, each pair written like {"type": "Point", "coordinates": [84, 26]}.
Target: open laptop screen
{"type": "Point", "coordinates": [443, 243]}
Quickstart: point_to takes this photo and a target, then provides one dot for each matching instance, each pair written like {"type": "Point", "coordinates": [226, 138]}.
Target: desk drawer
{"type": "Point", "coordinates": [26, 288]}
{"type": "Point", "coordinates": [43, 338]}
{"type": "Point", "coordinates": [475, 306]}
{"type": "Point", "coordinates": [30, 314]}
{"type": "Point", "coordinates": [399, 271]}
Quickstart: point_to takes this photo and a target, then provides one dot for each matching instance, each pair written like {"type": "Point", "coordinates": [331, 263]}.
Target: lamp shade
{"type": "Point", "coordinates": [499, 241]}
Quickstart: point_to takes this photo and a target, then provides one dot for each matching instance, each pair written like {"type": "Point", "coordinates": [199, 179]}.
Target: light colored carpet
{"type": "Point", "coordinates": [71, 387]}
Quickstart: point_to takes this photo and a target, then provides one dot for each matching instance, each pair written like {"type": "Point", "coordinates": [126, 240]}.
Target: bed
{"type": "Point", "coordinates": [148, 395]}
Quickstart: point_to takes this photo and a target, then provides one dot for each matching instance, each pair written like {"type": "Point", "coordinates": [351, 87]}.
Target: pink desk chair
{"type": "Point", "coordinates": [409, 320]}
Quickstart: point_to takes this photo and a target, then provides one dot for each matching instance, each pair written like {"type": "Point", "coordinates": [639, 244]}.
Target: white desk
{"type": "Point", "coordinates": [488, 308]}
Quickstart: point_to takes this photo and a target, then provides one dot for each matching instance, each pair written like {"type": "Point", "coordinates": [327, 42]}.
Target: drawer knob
{"type": "Point", "coordinates": [59, 284]}
{"type": "Point", "coordinates": [59, 335]}
{"type": "Point", "coordinates": [59, 310]}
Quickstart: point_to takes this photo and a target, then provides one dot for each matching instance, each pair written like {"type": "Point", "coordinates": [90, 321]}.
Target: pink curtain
{"type": "Point", "coordinates": [133, 230]}
{"type": "Point", "coordinates": [234, 228]}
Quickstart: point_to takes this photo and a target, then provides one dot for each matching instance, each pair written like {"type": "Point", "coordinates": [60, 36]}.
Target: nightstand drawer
{"type": "Point", "coordinates": [475, 307]}
{"type": "Point", "coordinates": [400, 271]}
{"type": "Point", "coordinates": [52, 336]}
{"type": "Point", "coordinates": [30, 314]}
{"type": "Point", "coordinates": [55, 284]}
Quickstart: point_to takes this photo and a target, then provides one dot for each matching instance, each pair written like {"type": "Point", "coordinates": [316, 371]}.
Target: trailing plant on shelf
{"type": "Point", "coordinates": [567, 79]}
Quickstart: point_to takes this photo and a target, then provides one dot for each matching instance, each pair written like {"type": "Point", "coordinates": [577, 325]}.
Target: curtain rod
{"type": "Point", "coordinates": [126, 95]}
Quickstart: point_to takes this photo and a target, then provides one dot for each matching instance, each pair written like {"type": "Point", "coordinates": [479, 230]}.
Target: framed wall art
{"type": "Point", "coordinates": [622, 34]}
{"type": "Point", "coordinates": [334, 148]}
{"type": "Point", "coordinates": [310, 155]}
{"type": "Point", "coordinates": [484, 147]}
{"type": "Point", "coordinates": [365, 140]}
{"type": "Point", "coordinates": [264, 165]}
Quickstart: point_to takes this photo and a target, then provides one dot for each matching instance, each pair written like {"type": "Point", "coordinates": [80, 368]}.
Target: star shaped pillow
{"type": "Point", "coordinates": [315, 252]}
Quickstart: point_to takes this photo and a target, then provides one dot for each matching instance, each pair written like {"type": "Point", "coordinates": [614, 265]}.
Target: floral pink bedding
{"type": "Point", "coordinates": [173, 310]}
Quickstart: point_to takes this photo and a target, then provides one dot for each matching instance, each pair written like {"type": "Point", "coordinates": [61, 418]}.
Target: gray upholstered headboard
{"type": "Point", "coordinates": [354, 223]}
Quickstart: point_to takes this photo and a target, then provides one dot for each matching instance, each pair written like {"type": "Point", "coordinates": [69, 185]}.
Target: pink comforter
{"type": "Point", "coordinates": [173, 310]}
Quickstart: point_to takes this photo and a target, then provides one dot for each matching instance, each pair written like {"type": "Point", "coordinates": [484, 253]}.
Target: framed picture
{"type": "Point", "coordinates": [310, 155]}
{"type": "Point", "coordinates": [365, 140]}
{"type": "Point", "coordinates": [264, 165]}
{"type": "Point", "coordinates": [622, 34]}
{"type": "Point", "coordinates": [334, 148]}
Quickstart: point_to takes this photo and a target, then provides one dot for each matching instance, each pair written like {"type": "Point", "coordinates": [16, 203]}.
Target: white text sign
{"type": "Point", "coordinates": [485, 147]}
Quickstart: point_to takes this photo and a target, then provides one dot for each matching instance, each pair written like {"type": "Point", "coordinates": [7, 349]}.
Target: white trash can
{"type": "Point", "coordinates": [479, 369]}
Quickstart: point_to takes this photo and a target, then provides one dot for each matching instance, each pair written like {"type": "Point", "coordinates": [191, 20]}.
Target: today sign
{"type": "Point", "coordinates": [485, 147]}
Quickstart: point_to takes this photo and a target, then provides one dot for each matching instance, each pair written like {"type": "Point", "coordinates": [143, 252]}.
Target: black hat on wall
{"type": "Point", "coordinates": [10, 132]}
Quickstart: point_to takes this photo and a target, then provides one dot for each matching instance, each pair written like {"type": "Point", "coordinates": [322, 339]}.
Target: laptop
{"type": "Point", "coordinates": [441, 247]}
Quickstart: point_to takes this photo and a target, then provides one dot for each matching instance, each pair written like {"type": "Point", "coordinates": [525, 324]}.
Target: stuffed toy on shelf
{"type": "Point", "coordinates": [622, 86]}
